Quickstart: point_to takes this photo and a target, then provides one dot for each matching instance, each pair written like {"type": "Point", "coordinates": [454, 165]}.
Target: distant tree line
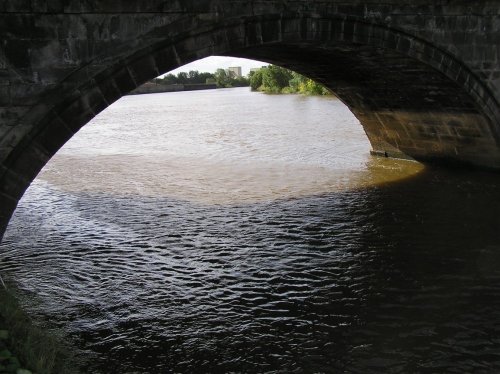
{"type": "Point", "coordinates": [269, 79]}
{"type": "Point", "coordinates": [275, 79]}
{"type": "Point", "coordinates": [222, 78]}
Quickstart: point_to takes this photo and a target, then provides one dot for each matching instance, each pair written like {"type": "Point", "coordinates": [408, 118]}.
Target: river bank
{"type": "Point", "coordinates": [24, 347]}
{"type": "Point", "coordinates": [149, 87]}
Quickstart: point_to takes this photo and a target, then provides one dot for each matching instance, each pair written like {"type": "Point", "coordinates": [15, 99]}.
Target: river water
{"type": "Point", "coordinates": [230, 231]}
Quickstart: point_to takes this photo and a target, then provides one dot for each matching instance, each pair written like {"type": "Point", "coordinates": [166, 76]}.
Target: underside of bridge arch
{"type": "Point", "coordinates": [413, 100]}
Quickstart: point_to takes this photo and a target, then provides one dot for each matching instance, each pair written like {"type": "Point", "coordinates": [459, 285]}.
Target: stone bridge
{"type": "Point", "coordinates": [422, 77]}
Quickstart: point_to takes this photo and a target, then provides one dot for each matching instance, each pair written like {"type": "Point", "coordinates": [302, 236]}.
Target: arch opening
{"type": "Point", "coordinates": [412, 99]}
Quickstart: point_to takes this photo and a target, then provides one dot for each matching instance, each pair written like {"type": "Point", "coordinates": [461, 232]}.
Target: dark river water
{"type": "Point", "coordinates": [229, 231]}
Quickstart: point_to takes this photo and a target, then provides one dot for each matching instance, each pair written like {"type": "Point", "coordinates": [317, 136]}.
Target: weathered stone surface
{"type": "Point", "coordinates": [423, 77]}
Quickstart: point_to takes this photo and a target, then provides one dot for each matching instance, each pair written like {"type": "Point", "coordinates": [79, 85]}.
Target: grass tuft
{"type": "Point", "coordinates": [21, 342]}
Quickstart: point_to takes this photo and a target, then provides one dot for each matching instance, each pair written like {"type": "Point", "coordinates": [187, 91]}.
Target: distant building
{"type": "Point", "coordinates": [236, 70]}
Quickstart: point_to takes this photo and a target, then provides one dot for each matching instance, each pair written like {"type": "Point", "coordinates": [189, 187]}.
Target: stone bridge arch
{"type": "Point", "coordinates": [414, 98]}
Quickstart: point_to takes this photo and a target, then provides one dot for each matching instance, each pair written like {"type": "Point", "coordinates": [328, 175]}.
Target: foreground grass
{"type": "Point", "coordinates": [25, 346]}
{"type": "Point", "coordinates": [8, 362]}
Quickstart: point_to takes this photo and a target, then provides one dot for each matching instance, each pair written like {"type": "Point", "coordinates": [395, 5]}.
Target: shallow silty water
{"type": "Point", "coordinates": [229, 231]}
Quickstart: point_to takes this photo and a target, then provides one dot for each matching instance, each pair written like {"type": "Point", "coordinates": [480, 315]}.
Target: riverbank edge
{"type": "Point", "coordinates": [33, 348]}
{"type": "Point", "coordinates": [150, 88]}
{"type": "Point", "coordinates": [292, 93]}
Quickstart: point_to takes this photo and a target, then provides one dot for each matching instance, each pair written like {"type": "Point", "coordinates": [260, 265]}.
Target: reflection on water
{"type": "Point", "coordinates": [195, 179]}
{"type": "Point", "coordinates": [345, 269]}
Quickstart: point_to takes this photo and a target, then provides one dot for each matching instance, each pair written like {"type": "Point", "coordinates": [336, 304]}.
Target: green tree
{"type": "Point", "coordinates": [169, 79]}
{"type": "Point", "coordinates": [204, 77]}
{"type": "Point", "coordinates": [296, 82]}
{"type": "Point", "coordinates": [240, 82]}
{"type": "Point", "coordinates": [275, 78]}
{"type": "Point", "coordinates": [223, 78]}
{"type": "Point", "coordinates": [182, 77]}
{"type": "Point", "coordinates": [256, 79]}
{"type": "Point", "coordinates": [193, 76]}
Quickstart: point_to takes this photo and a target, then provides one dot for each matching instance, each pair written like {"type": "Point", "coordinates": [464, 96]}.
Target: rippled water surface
{"type": "Point", "coordinates": [229, 231]}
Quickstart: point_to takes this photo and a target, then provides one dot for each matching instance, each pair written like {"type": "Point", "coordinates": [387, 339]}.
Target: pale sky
{"type": "Point", "coordinates": [212, 63]}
